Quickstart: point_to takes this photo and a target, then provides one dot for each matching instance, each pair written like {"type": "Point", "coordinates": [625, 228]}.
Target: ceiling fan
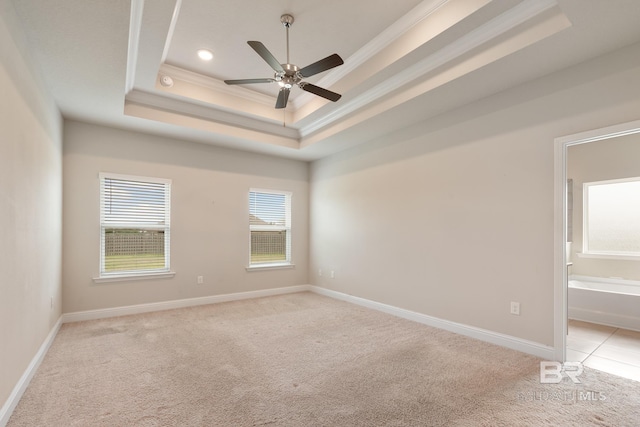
{"type": "Point", "coordinates": [287, 75]}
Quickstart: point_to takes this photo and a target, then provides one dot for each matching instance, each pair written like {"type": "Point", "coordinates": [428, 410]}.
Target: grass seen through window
{"type": "Point", "coordinates": [113, 263]}
{"type": "Point", "coordinates": [133, 250]}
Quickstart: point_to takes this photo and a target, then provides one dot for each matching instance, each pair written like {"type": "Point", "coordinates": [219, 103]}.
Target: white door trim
{"type": "Point", "coordinates": [560, 221]}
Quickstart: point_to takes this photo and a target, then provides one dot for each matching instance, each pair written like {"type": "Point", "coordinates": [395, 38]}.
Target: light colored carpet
{"type": "Point", "coordinates": [301, 360]}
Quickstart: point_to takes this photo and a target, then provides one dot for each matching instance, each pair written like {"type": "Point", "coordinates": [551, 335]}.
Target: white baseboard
{"type": "Point", "coordinates": [21, 386]}
{"type": "Point", "coordinates": [514, 343]}
{"type": "Point", "coordinates": [602, 318]}
{"type": "Point", "coordinates": [169, 305]}
{"type": "Point", "coordinates": [525, 346]}
{"type": "Point", "coordinates": [23, 382]}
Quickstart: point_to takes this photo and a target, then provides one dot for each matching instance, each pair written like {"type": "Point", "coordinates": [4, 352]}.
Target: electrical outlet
{"type": "Point", "coordinates": [51, 302]}
{"type": "Point", "coordinates": [200, 280]}
{"type": "Point", "coordinates": [333, 274]}
{"type": "Point", "coordinates": [515, 308]}
{"type": "Point", "coordinates": [320, 272]}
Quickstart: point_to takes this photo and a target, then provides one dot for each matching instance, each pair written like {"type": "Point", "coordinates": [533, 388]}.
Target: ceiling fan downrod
{"type": "Point", "coordinates": [287, 21]}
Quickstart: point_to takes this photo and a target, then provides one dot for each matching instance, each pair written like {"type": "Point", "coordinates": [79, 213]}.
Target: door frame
{"type": "Point", "coordinates": [561, 144]}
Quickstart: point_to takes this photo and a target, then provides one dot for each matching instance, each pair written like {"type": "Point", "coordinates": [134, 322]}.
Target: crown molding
{"type": "Point", "coordinates": [392, 33]}
{"type": "Point", "coordinates": [135, 27]}
{"type": "Point", "coordinates": [369, 50]}
{"type": "Point", "coordinates": [501, 24]}
{"type": "Point", "coordinates": [172, 29]}
{"type": "Point", "coordinates": [215, 84]}
{"type": "Point", "coordinates": [210, 113]}
{"type": "Point", "coordinates": [523, 12]}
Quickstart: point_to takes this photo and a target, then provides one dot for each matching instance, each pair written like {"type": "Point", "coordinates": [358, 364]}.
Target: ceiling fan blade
{"type": "Point", "coordinates": [283, 97]}
{"type": "Point", "coordinates": [266, 55]}
{"type": "Point", "coordinates": [325, 64]}
{"type": "Point", "coordinates": [248, 81]}
{"type": "Point", "coordinates": [317, 90]}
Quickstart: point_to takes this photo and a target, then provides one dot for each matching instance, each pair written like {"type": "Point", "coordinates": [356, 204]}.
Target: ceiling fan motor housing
{"type": "Point", "coordinates": [290, 77]}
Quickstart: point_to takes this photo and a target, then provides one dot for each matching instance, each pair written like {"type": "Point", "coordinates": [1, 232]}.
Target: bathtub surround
{"type": "Point", "coordinates": [604, 301]}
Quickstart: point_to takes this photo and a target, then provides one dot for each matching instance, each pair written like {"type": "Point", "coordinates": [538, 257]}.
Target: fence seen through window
{"type": "Point", "coordinates": [135, 224]}
{"type": "Point", "coordinates": [131, 249]}
{"type": "Point", "coordinates": [270, 227]}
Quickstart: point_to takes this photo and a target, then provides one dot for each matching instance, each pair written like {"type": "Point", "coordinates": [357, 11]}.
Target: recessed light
{"type": "Point", "coordinates": [205, 55]}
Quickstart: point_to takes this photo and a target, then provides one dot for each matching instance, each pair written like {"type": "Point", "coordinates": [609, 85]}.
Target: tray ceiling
{"type": "Point", "coordinates": [405, 61]}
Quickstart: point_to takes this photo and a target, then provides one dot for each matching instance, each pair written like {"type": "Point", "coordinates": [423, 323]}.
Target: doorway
{"type": "Point", "coordinates": [562, 260]}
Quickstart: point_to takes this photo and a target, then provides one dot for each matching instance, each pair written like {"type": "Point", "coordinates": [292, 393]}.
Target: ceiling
{"type": "Point", "coordinates": [405, 61]}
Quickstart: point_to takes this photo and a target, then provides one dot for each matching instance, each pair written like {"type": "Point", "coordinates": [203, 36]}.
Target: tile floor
{"type": "Point", "coordinates": [605, 348]}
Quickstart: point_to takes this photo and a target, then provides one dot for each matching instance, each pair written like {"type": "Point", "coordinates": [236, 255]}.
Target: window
{"type": "Point", "coordinates": [134, 225]}
{"type": "Point", "coordinates": [270, 227]}
{"type": "Point", "coordinates": [612, 217]}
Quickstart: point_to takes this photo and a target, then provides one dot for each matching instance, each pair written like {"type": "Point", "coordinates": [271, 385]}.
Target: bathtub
{"type": "Point", "coordinates": [610, 302]}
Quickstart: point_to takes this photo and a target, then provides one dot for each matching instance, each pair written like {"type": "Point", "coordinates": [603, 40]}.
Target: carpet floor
{"type": "Point", "coordinates": [302, 360]}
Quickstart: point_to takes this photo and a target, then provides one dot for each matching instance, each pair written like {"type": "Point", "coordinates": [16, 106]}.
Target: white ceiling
{"type": "Point", "coordinates": [405, 61]}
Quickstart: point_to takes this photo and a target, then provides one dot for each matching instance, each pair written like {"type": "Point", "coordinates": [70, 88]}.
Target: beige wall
{"type": "Point", "coordinates": [614, 158]}
{"type": "Point", "coordinates": [453, 217]}
{"type": "Point", "coordinates": [209, 215]}
{"type": "Point", "coordinates": [30, 208]}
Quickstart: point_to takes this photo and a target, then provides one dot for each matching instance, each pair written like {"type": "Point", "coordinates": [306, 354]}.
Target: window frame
{"type": "Point", "coordinates": [288, 262]}
{"type": "Point", "coordinates": [603, 254]}
{"type": "Point", "coordinates": [165, 271]}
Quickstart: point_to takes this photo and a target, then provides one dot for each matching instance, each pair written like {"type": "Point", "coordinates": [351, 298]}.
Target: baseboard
{"type": "Point", "coordinates": [529, 347]}
{"type": "Point", "coordinates": [169, 305]}
{"type": "Point", "coordinates": [602, 318]}
{"type": "Point", "coordinates": [11, 403]}
{"type": "Point", "coordinates": [525, 346]}
{"type": "Point", "coordinates": [25, 379]}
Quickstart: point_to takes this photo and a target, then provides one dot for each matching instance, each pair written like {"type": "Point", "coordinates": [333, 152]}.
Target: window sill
{"type": "Point", "coordinates": [263, 267]}
{"type": "Point", "coordinates": [131, 277]}
{"type": "Point", "coordinates": [608, 256]}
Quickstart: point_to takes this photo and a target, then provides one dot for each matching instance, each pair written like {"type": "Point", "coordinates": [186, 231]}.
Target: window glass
{"type": "Point", "coordinates": [134, 224]}
{"type": "Point", "coordinates": [612, 217]}
{"type": "Point", "coordinates": [270, 227]}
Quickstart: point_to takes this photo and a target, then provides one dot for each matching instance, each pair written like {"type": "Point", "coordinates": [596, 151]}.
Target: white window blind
{"type": "Point", "coordinates": [612, 217]}
{"type": "Point", "coordinates": [134, 225]}
{"type": "Point", "coordinates": [270, 227]}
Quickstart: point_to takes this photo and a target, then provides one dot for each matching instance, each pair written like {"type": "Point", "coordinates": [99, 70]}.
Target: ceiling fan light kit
{"type": "Point", "coordinates": [288, 75]}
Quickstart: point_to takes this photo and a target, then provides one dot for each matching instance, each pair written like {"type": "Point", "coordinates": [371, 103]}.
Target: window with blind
{"type": "Point", "coordinates": [270, 227]}
{"type": "Point", "coordinates": [611, 217]}
{"type": "Point", "coordinates": [134, 225]}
